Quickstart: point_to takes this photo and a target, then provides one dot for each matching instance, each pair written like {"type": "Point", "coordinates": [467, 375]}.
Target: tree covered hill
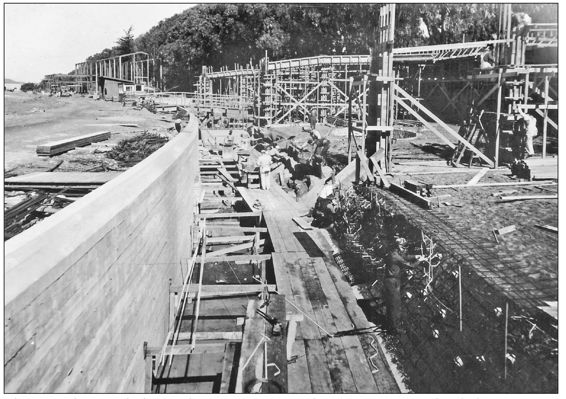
{"type": "Point", "coordinates": [226, 34]}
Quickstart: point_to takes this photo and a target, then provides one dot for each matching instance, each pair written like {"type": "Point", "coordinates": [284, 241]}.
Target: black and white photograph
{"type": "Point", "coordinates": [281, 198]}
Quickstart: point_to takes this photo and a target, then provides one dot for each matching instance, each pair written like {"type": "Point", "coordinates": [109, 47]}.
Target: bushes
{"type": "Point", "coordinates": [28, 87]}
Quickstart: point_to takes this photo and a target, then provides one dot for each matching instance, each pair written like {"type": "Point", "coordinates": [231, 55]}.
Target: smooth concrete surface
{"type": "Point", "coordinates": [87, 286]}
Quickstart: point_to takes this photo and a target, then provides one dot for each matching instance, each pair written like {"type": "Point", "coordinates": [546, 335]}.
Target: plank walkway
{"type": "Point", "coordinates": [322, 360]}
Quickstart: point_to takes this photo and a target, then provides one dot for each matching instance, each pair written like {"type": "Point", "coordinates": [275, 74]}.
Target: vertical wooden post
{"type": "Point", "coordinates": [380, 109]}
{"type": "Point", "coordinates": [134, 65]}
{"type": "Point", "coordinates": [506, 328]}
{"type": "Point", "coordinates": [364, 113]}
{"type": "Point", "coordinates": [96, 77]}
{"type": "Point", "coordinates": [460, 293]}
{"type": "Point", "coordinates": [545, 121]}
{"type": "Point", "coordinates": [497, 119]}
{"type": "Point", "coordinates": [351, 93]}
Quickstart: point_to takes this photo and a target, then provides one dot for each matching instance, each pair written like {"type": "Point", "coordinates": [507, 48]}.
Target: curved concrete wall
{"type": "Point", "coordinates": [87, 286]}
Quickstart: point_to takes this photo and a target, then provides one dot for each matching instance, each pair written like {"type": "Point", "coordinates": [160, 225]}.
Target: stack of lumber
{"type": "Point", "coordinates": [61, 146]}
{"type": "Point", "coordinates": [542, 168]}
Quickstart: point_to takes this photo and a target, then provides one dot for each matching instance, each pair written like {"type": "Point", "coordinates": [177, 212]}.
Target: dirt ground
{"type": "Point", "coordinates": [32, 119]}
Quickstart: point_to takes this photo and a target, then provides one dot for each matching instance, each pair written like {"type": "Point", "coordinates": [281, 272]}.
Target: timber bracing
{"type": "Point", "coordinates": [133, 68]}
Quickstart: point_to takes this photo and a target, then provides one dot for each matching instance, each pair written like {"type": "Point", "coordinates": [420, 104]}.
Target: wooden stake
{"type": "Point", "coordinates": [460, 292]}
{"type": "Point", "coordinates": [506, 326]}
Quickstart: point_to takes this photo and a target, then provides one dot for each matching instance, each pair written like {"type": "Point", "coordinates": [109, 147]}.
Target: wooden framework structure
{"type": "Point", "coordinates": [431, 81]}
{"type": "Point", "coordinates": [134, 68]}
{"type": "Point", "coordinates": [66, 82]}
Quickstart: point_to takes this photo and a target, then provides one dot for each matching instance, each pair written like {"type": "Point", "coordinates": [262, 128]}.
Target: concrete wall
{"type": "Point", "coordinates": [87, 286]}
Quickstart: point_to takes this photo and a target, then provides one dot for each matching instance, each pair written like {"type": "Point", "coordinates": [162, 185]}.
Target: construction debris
{"type": "Point", "coordinates": [505, 230]}
{"type": "Point", "coordinates": [129, 152]}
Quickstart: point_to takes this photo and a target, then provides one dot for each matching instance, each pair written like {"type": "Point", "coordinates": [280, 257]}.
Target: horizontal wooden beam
{"type": "Point", "coordinates": [234, 227]}
{"type": "Point", "coordinates": [222, 288]}
{"type": "Point", "coordinates": [411, 196]}
{"type": "Point", "coordinates": [228, 215]}
{"type": "Point", "coordinates": [178, 350]}
{"type": "Point", "coordinates": [229, 239]}
{"type": "Point", "coordinates": [201, 335]}
{"type": "Point", "coordinates": [517, 183]}
{"type": "Point", "coordinates": [236, 258]}
{"type": "Point", "coordinates": [234, 248]}
{"type": "Point", "coordinates": [527, 197]}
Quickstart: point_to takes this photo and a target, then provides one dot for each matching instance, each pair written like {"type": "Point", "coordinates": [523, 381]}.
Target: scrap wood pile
{"type": "Point", "coordinates": [32, 208]}
{"type": "Point", "coordinates": [129, 152]}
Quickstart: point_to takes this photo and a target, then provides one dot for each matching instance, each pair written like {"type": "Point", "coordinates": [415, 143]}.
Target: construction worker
{"type": "Point", "coordinates": [313, 118]}
{"type": "Point", "coordinates": [178, 125]}
{"type": "Point", "coordinates": [229, 140]}
{"type": "Point", "coordinates": [396, 261]}
{"type": "Point", "coordinates": [264, 164]}
{"type": "Point", "coordinates": [325, 206]}
{"type": "Point", "coordinates": [487, 60]}
{"type": "Point", "coordinates": [527, 130]}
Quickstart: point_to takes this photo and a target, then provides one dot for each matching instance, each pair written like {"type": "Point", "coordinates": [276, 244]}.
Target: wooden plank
{"type": "Point", "coordinates": [253, 331]}
{"type": "Point", "coordinates": [178, 350]}
{"type": "Point", "coordinates": [385, 380]}
{"type": "Point", "coordinates": [474, 180]}
{"type": "Point", "coordinates": [505, 230]}
{"type": "Point", "coordinates": [302, 223]}
{"type": "Point", "coordinates": [228, 367]}
{"type": "Point", "coordinates": [340, 372]}
{"type": "Point", "coordinates": [228, 215]}
{"type": "Point", "coordinates": [223, 172]}
{"type": "Point", "coordinates": [527, 197]}
{"type": "Point", "coordinates": [321, 382]}
{"type": "Point", "coordinates": [417, 199]}
{"type": "Point", "coordinates": [63, 178]}
{"type": "Point", "coordinates": [364, 165]}
{"type": "Point", "coordinates": [353, 350]}
{"type": "Point", "coordinates": [60, 146]}
{"type": "Point", "coordinates": [204, 335]}
{"type": "Point", "coordinates": [548, 228]}
{"type": "Point", "coordinates": [232, 227]}
{"type": "Point", "coordinates": [277, 346]}
{"type": "Point", "coordinates": [282, 275]}
{"type": "Point", "coordinates": [381, 173]}
{"type": "Point", "coordinates": [229, 239]}
{"type": "Point", "coordinates": [234, 248]}
{"type": "Point", "coordinates": [222, 288]}
{"type": "Point", "coordinates": [148, 375]}
{"type": "Point", "coordinates": [237, 258]}
{"type": "Point", "coordinates": [518, 183]}
{"type": "Point", "coordinates": [298, 371]}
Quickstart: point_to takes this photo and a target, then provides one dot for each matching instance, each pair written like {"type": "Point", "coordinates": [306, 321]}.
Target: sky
{"type": "Point", "coordinates": [41, 39]}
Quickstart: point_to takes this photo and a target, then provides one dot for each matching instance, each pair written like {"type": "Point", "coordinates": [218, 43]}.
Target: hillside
{"type": "Point", "coordinates": [226, 34]}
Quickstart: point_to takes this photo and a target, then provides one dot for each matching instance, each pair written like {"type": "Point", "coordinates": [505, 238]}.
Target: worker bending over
{"type": "Point", "coordinates": [396, 262]}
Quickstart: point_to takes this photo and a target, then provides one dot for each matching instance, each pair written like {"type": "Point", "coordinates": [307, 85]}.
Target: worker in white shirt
{"type": "Point", "coordinates": [264, 164]}
{"type": "Point", "coordinates": [529, 129]}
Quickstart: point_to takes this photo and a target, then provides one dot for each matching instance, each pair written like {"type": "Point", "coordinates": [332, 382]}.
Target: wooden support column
{"type": "Point", "coordinates": [497, 119]}
{"type": "Point", "coordinates": [380, 111]}
{"type": "Point", "coordinates": [545, 120]}
{"type": "Point", "coordinates": [350, 132]}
